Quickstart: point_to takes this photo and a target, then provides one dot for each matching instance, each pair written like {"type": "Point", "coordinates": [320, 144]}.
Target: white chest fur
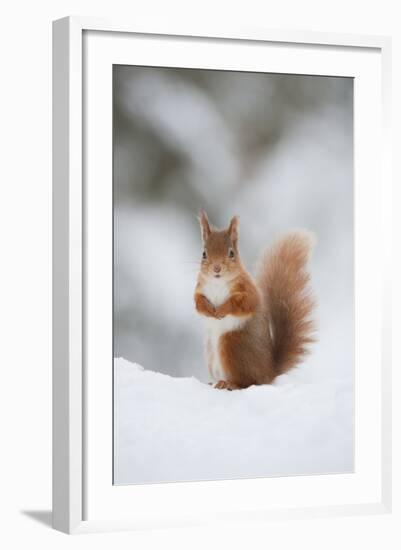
{"type": "Point", "coordinates": [217, 292]}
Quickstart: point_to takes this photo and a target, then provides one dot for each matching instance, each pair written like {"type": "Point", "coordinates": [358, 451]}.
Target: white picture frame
{"type": "Point", "coordinates": [84, 498]}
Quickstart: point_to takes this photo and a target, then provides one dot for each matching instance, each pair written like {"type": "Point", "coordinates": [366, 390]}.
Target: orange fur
{"type": "Point", "coordinates": [288, 299]}
{"type": "Point", "coordinates": [243, 299]}
{"type": "Point", "coordinates": [203, 305]}
{"type": "Point", "coordinates": [274, 327]}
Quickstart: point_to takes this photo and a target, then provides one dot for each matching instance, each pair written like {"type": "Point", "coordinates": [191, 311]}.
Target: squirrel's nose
{"type": "Point", "coordinates": [217, 268]}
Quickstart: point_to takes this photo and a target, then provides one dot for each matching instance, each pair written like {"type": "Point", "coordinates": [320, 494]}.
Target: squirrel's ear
{"type": "Point", "coordinates": [204, 224]}
{"type": "Point", "coordinates": [233, 230]}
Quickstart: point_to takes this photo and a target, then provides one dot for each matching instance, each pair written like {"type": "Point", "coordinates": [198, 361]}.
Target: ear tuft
{"type": "Point", "coordinates": [205, 226]}
{"type": "Point", "coordinates": [233, 230]}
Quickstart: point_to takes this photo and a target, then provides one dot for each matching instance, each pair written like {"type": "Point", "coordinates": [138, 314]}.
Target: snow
{"type": "Point", "coordinates": [177, 429]}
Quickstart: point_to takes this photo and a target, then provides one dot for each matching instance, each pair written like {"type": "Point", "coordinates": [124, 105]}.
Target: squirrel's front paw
{"type": "Point", "coordinates": [219, 313]}
{"type": "Point", "coordinates": [211, 312]}
{"type": "Point", "coordinates": [204, 307]}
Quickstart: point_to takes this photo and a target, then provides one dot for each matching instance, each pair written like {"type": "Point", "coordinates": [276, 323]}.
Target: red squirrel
{"type": "Point", "coordinates": [256, 328]}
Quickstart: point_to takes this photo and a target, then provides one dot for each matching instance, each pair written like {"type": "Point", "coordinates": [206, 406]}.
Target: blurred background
{"type": "Point", "coordinates": [275, 149]}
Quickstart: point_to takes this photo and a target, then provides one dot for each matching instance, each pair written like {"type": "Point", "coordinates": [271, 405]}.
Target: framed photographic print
{"type": "Point", "coordinates": [218, 200]}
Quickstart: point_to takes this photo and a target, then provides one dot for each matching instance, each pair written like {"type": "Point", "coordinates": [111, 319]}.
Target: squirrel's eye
{"type": "Point", "coordinates": [231, 253]}
{"type": "Point", "coordinates": [204, 255]}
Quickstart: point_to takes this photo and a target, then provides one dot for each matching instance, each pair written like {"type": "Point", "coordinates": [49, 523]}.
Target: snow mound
{"type": "Point", "coordinates": [177, 429]}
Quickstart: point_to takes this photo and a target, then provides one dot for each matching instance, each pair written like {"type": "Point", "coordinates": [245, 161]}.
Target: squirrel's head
{"type": "Point", "coordinates": [220, 255]}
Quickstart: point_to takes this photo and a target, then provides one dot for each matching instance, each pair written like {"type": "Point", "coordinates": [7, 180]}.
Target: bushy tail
{"type": "Point", "coordinates": [284, 282]}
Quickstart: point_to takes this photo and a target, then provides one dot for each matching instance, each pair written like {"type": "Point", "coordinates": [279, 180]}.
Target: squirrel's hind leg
{"type": "Point", "coordinates": [224, 385]}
